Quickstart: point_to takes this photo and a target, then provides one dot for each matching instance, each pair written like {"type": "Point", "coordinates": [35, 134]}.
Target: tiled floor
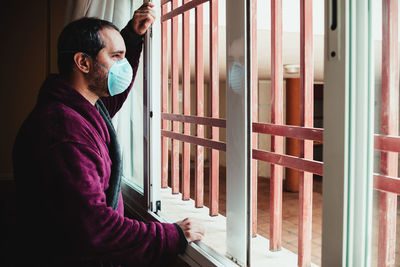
{"type": "Point", "coordinates": [290, 218]}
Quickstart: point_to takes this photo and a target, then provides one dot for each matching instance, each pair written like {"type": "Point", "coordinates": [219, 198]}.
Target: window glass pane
{"type": "Point", "coordinates": [279, 197]}
{"type": "Point", "coordinates": [129, 125]}
{"type": "Point", "coordinates": [173, 206]}
{"type": "Point", "coordinates": [189, 172]}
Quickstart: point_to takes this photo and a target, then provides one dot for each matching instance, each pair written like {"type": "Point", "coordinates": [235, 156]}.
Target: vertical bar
{"type": "Point", "coordinates": [292, 176]}
{"type": "Point", "coordinates": [154, 183]}
{"type": "Point", "coordinates": [164, 93]}
{"type": "Point", "coordinates": [387, 228]}
{"type": "Point", "coordinates": [175, 103]}
{"type": "Point", "coordinates": [306, 146]}
{"type": "Point", "coordinates": [254, 79]}
{"type": "Point", "coordinates": [336, 135]}
{"type": "Point", "coordinates": [146, 118]}
{"type": "Point", "coordinates": [238, 132]}
{"type": "Point", "coordinates": [186, 104]}
{"type": "Point", "coordinates": [389, 126]}
{"type": "Point", "coordinates": [199, 175]}
{"type": "Point", "coordinates": [214, 87]}
{"type": "Point", "coordinates": [276, 118]}
{"type": "Point", "coordinates": [360, 128]}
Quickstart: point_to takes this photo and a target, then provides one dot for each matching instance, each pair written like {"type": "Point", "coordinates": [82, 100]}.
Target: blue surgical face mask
{"type": "Point", "coordinates": [119, 76]}
{"type": "Point", "coordinates": [236, 77]}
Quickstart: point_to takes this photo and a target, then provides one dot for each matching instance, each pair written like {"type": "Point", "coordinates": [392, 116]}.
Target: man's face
{"type": "Point", "coordinates": [113, 51]}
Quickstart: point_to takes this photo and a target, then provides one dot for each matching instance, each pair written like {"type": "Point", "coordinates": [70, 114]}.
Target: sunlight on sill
{"type": "Point", "coordinates": [174, 209]}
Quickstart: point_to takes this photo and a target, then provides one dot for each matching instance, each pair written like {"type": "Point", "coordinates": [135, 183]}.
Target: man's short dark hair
{"type": "Point", "coordinates": [81, 35]}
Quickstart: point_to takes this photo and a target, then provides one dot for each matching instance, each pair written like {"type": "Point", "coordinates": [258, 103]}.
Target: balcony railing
{"type": "Point", "coordinates": [388, 142]}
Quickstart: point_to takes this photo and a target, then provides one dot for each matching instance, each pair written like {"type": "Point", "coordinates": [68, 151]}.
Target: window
{"type": "Point", "coordinates": [209, 127]}
{"type": "Point", "coordinates": [133, 126]}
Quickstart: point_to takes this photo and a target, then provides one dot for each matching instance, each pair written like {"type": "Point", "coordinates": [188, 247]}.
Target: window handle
{"type": "Point", "coordinates": [333, 30]}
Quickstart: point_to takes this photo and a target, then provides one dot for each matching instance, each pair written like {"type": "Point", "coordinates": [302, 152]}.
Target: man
{"type": "Point", "coordinates": [67, 160]}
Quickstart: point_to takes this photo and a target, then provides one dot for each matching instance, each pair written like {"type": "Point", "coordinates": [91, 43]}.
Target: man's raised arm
{"type": "Point", "coordinates": [133, 34]}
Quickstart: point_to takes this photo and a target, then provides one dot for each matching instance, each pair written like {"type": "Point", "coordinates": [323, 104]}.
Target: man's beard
{"type": "Point", "coordinates": [98, 82]}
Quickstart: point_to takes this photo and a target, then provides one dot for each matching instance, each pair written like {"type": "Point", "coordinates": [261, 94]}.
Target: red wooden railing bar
{"type": "Point", "coordinates": [306, 120]}
{"type": "Point", "coordinates": [186, 103]}
{"type": "Point", "coordinates": [164, 94]}
{"type": "Point", "coordinates": [215, 122]}
{"type": "Point", "coordinates": [305, 133]}
{"type": "Point", "coordinates": [389, 126]}
{"type": "Point", "coordinates": [288, 161]}
{"type": "Point", "coordinates": [387, 143]}
{"type": "Point", "coordinates": [199, 75]}
{"type": "Point", "coordinates": [183, 8]}
{"type": "Point", "coordinates": [175, 101]}
{"type": "Point", "coordinates": [212, 144]}
{"type": "Point", "coordinates": [387, 183]}
{"type": "Point", "coordinates": [163, 2]}
{"type": "Point", "coordinates": [254, 84]}
{"type": "Point", "coordinates": [276, 120]}
{"type": "Point", "coordinates": [214, 89]}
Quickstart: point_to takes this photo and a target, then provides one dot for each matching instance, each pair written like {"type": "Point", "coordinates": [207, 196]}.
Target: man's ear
{"type": "Point", "coordinates": [82, 62]}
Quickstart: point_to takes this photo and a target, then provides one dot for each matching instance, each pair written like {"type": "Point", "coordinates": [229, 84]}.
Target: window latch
{"type": "Point", "coordinates": [158, 206]}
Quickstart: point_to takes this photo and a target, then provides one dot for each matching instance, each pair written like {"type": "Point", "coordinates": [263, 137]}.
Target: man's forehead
{"type": "Point", "coordinates": [112, 39]}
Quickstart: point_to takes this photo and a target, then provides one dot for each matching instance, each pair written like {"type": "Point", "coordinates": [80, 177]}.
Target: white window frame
{"type": "Point", "coordinates": [150, 197]}
{"type": "Point", "coordinates": [238, 135]}
{"type": "Point", "coordinates": [348, 135]}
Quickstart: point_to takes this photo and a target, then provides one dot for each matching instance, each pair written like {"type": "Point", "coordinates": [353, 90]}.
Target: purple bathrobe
{"type": "Point", "coordinates": [62, 169]}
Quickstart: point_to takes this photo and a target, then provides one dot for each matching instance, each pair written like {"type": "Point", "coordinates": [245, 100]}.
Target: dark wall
{"type": "Point", "coordinates": [29, 30]}
{"type": "Point", "coordinates": [23, 53]}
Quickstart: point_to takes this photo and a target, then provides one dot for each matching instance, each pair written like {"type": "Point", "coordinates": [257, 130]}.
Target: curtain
{"type": "Point", "coordinates": [117, 11]}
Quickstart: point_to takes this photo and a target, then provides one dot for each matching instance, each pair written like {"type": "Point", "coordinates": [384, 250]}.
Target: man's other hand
{"type": "Point", "coordinates": [143, 18]}
{"type": "Point", "coordinates": [193, 230]}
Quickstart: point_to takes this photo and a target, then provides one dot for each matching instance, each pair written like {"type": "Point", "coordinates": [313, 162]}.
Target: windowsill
{"type": "Point", "coordinates": [174, 209]}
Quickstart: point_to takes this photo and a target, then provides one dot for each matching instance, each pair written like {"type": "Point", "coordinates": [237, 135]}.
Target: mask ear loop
{"type": "Point", "coordinates": [96, 61]}
{"type": "Point", "coordinates": [73, 52]}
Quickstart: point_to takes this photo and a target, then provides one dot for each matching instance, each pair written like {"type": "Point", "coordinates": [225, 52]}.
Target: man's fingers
{"type": "Point", "coordinates": [149, 9]}
{"type": "Point", "coordinates": [143, 17]}
{"type": "Point", "coordinates": [141, 14]}
{"type": "Point", "coordinates": [194, 237]}
{"type": "Point", "coordinates": [148, 4]}
{"type": "Point", "coordinates": [142, 22]}
{"type": "Point", "coordinates": [192, 230]}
